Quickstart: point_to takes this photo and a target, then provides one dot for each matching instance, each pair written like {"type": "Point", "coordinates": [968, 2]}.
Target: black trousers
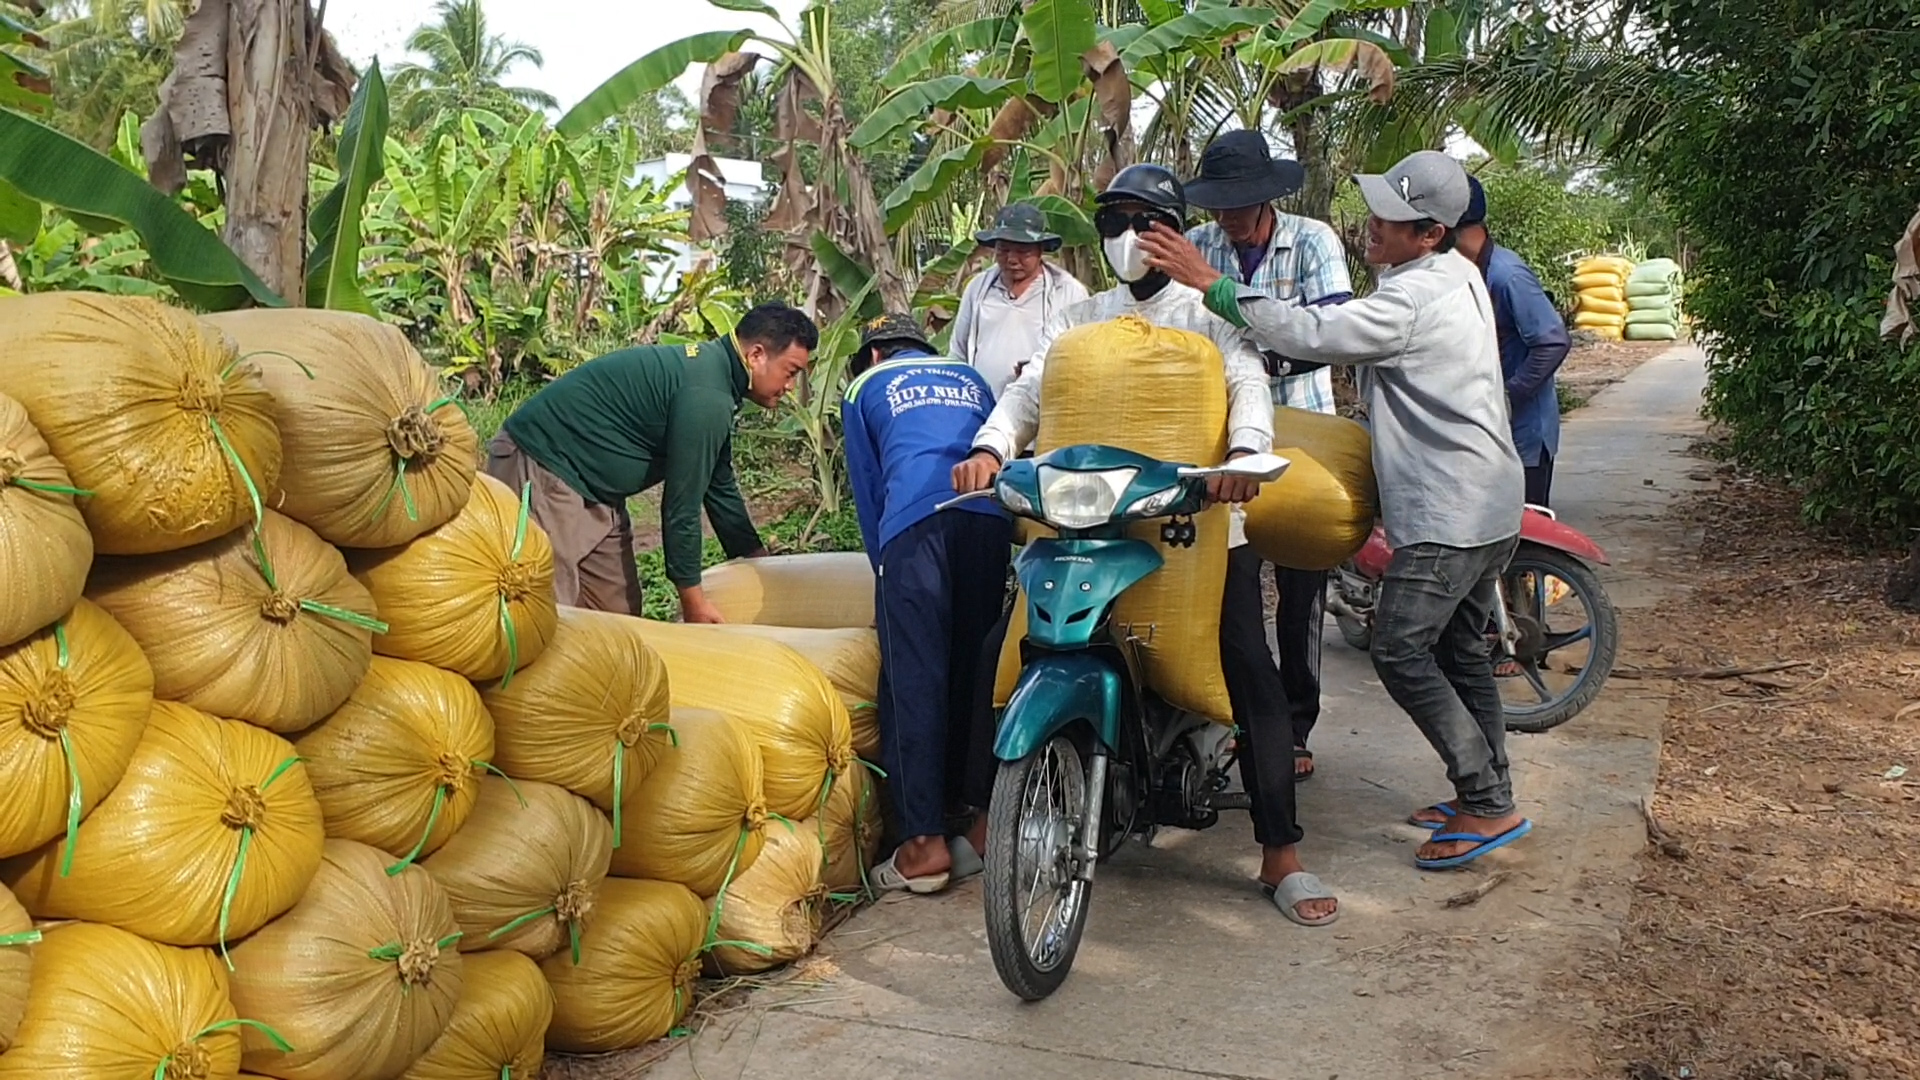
{"type": "Point", "coordinates": [937, 596]}
{"type": "Point", "coordinates": [1297, 626]}
{"type": "Point", "coordinates": [1540, 481]}
{"type": "Point", "coordinates": [1259, 699]}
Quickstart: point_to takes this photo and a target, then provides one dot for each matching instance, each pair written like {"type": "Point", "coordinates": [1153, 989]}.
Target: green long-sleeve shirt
{"type": "Point", "coordinates": [617, 425]}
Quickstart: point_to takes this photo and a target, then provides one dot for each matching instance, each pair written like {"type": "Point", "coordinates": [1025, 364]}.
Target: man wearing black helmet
{"type": "Point", "coordinates": [1139, 198]}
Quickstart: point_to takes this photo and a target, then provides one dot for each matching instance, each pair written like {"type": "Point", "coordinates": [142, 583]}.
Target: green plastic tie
{"type": "Point", "coordinates": [351, 618]}
{"type": "Point", "coordinates": [406, 497]}
{"type": "Point", "coordinates": [393, 950]}
{"type": "Point", "coordinates": [619, 787]}
{"type": "Point", "coordinates": [62, 654]}
{"type": "Point", "coordinates": [243, 357]}
{"type": "Point", "coordinates": [73, 802]}
{"type": "Point", "coordinates": [253, 494]}
{"type": "Point", "coordinates": [783, 819]}
{"type": "Point", "coordinates": [720, 898]}
{"type": "Point", "coordinates": [51, 489]}
{"type": "Point", "coordinates": [506, 617]}
{"type": "Point", "coordinates": [752, 947]}
{"type": "Point", "coordinates": [874, 769]}
{"type": "Point", "coordinates": [506, 1072]}
{"type": "Point", "coordinates": [433, 819]}
{"type": "Point", "coordinates": [487, 766]}
{"type": "Point", "coordinates": [24, 937]}
{"type": "Point", "coordinates": [673, 737]}
{"type": "Point", "coordinates": [508, 928]}
{"type": "Point", "coordinates": [862, 706]}
{"type": "Point", "coordinates": [846, 897]}
{"type": "Point", "coordinates": [573, 939]}
{"type": "Point", "coordinates": [240, 862]}
{"type": "Point", "coordinates": [279, 1043]}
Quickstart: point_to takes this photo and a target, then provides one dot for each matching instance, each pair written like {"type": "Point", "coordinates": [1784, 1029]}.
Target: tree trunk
{"type": "Point", "coordinates": [269, 104]}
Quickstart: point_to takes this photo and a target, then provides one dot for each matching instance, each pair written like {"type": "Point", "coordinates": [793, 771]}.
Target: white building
{"type": "Point", "coordinates": [742, 180]}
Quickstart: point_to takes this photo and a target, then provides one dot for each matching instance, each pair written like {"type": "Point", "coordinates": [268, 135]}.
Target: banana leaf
{"type": "Point", "coordinates": [73, 178]}
{"type": "Point", "coordinates": [931, 180]}
{"type": "Point", "coordinates": [647, 76]}
{"type": "Point", "coordinates": [1060, 31]}
{"type": "Point", "coordinates": [906, 107]}
{"type": "Point", "coordinates": [975, 36]}
{"type": "Point", "coordinates": [333, 271]}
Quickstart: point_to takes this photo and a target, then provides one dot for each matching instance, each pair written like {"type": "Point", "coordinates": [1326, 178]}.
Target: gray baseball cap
{"type": "Point", "coordinates": [1426, 184]}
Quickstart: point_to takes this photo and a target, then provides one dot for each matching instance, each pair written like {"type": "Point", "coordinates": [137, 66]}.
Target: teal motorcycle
{"type": "Point", "coordinates": [1088, 755]}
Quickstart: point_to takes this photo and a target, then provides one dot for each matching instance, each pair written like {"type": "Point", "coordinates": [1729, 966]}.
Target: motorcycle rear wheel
{"type": "Point", "coordinates": [1603, 637]}
{"type": "Point", "coordinates": [1034, 827]}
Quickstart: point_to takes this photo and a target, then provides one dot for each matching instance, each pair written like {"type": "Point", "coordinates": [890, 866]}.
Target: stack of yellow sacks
{"type": "Point", "coordinates": [1601, 282]}
{"type": "Point", "coordinates": [333, 816]}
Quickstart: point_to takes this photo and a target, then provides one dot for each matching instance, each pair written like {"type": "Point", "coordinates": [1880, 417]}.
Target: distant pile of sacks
{"type": "Point", "coordinates": [1601, 304]}
{"type": "Point", "coordinates": [1653, 301]}
{"type": "Point", "coordinates": [307, 775]}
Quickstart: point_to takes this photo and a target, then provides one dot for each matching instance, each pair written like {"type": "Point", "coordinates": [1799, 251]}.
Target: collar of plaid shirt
{"type": "Point", "coordinates": [1278, 276]}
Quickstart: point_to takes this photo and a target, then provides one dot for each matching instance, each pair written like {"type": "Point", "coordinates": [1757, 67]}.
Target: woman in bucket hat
{"type": "Point", "coordinates": [1006, 306]}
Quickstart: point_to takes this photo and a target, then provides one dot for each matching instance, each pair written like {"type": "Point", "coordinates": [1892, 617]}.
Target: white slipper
{"type": "Point", "coordinates": [1296, 888]}
{"type": "Point", "coordinates": [887, 878]}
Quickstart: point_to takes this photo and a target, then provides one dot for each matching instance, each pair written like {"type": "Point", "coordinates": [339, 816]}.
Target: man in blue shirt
{"type": "Point", "coordinates": [909, 418]}
{"type": "Point", "coordinates": [1533, 343]}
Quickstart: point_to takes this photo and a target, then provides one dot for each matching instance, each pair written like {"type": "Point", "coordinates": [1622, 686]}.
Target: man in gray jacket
{"type": "Point", "coordinates": [1451, 482]}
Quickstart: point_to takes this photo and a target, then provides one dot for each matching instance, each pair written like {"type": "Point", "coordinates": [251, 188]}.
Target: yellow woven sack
{"type": "Point", "coordinates": [1612, 292]}
{"type": "Point", "coordinates": [770, 915]}
{"type": "Point", "coordinates": [699, 818]}
{"type": "Point", "coordinates": [73, 702]}
{"type": "Point", "coordinates": [524, 871]}
{"type": "Point", "coordinates": [150, 409]}
{"type": "Point", "coordinates": [397, 767]}
{"type": "Point", "coordinates": [1162, 393]}
{"type": "Point", "coordinates": [499, 1027]}
{"type": "Point", "coordinates": [45, 548]}
{"type": "Point", "coordinates": [591, 716]}
{"type": "Point", "coordinates": [849, 827]}
{"type": "Point", "coordinates": [1321, 511]}
{"type": "Point", "coordinates": [376, 453]}
{"type": "Point", "coordinates": [850, 659]}
{"type": "Point", "coordinates": [108, 1005]}
{"type": "Point", "coordinates": [635, 978]}
{"type": "Point", "coordinates": [788, 706]}
{"type": "Point", "coordinates": [360, 977]}
{"type": "Point", "coordinates": [1598, 279]}
{"type": "Point", "coordinates": [474, 595]}
{"type": "Point", "coordinates": [1591, 305]}
{"type": "Point", "coordinates": [17, 939]}
{"type": "Point", "coordinates": [826, 591]}
{"type": "Point", "coordinates": [212, 831]}
{"type": "Point", "coordinates": [1593, 320]}
{"type": "Point", "coordinates": [1604, 264]}
{"type": "Point", "coordinates": [278, 642]}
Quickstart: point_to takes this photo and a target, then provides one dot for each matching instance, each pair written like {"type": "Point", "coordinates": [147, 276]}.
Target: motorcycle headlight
{"type": "Point", "coordinates": [1012, 498]}
{"type": "Point", "coordinates": [1150, 505]}
{"type": "Point", "coordinates": [1081, 500]}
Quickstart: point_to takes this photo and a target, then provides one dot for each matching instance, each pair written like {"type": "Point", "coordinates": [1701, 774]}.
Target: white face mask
{"type": "Point", "coordinates": [1126, 256]}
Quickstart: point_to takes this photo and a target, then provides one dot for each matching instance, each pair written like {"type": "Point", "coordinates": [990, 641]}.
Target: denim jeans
{"type": "Point", "coordinates": [1431, 651]}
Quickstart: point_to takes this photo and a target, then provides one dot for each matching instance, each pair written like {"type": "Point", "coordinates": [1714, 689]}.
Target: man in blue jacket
{"type": "Point", "coordinates": [1533, 343]}
{"type": "Point", "coordinates": [909, 418]}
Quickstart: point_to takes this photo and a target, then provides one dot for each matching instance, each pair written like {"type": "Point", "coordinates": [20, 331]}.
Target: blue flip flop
{"type": "Point", "coordinates": [1434, 825]}
{"type": "Point", "coordinates": [1483, 844]}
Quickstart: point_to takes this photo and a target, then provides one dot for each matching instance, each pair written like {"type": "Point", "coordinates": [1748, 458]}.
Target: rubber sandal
{"type": "Point", "coordinates": [967, 862]}
{"type": "Point", "coordinates": [887, 878]}
{"type": "Point", "coordinates": [1298, 776]}
{"type": "Point", "coordinates": [1293, 890]}
{"type": "Point", "coordinates": [1482, 845]}
{"type": "Point", "coordinates": [1433, 825]}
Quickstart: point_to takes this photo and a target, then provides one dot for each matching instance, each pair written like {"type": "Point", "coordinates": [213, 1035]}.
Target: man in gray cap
{"type": "Point", "coordinates": [1005, 307]}
{"type": "Point", "coordinates": [1451, 482]}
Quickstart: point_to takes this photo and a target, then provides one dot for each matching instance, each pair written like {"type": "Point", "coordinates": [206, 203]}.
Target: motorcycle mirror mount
{"type": "Point", "coordinates": [1265, 468]}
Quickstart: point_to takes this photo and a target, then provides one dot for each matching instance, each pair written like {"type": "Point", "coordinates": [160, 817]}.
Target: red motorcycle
{"type": "Point", "coordinates": [1558, 635]}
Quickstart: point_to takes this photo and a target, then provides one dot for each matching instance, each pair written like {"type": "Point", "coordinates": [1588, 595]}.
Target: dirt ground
{"type": "Point", "coordinates": [1776, 929]}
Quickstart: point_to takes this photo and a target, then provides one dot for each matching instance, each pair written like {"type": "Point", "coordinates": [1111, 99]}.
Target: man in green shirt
{"type": "Point", "coordinates": [657, 414]}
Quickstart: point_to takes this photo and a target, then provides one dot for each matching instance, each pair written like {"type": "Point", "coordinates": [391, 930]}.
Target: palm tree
{"type": "Point", "coordinates": [464, 69]}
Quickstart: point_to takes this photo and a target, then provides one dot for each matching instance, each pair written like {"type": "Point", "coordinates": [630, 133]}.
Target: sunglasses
{"type": "Point", "coordinates": [1111, 221]}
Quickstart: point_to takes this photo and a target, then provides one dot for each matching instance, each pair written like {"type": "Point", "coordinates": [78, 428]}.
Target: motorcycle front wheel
{"type": "Point", "coordinates": [1036, 901]}
{"type": "Point", "coordinates": [1569, 639]}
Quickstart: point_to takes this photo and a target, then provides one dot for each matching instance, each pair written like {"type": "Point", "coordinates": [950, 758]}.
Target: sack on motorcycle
{"type": "Point", "coordinates": [1321, 510]}
{"type": "Point", "coordinates": [830, 591]}
{"type": "Point", "coordinates": [1162, 393]}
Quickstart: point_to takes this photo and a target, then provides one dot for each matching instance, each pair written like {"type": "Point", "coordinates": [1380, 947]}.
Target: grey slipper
{"type": "Point", "coordinates": [966, 861]}
{"type": "Point", "coordinates": [1298, 887]}
{"type": "Point", "coordinates": [888, 878]}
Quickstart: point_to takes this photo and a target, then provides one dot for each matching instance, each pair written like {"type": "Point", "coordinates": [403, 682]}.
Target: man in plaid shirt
{"type": "Point", "coordinates": [1287, 257]}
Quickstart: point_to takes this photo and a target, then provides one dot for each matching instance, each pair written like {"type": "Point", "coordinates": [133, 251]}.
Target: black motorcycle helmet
{"type": "Point", "coordinates": [1155, 185]}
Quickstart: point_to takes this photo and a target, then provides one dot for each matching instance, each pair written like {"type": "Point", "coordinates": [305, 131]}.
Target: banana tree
{"type": "Point", "coordinates": [824, 190]}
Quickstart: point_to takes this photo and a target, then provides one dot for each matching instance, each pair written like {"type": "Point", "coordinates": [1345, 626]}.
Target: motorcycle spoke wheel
{"type": "Point", "coordinates": [1036, 902]}
{"type": "Point", "coordinates": [1569, 638]}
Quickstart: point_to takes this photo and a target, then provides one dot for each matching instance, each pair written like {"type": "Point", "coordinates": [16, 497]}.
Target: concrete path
{"type": "Point", "coordinates": [1186, 971]}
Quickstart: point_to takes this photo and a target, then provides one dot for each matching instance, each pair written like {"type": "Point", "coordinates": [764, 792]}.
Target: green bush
{"type": "Point", "coordinates": [1794, 176]}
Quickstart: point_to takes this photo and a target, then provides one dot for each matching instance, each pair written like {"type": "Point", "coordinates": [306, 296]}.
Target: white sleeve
{"type": "Point", "coordinates": [1249, 397]}
{"type": "Point", "coordinates": [1364, 331]}
{"type": "Point", "coordinates": [1016, 416]}
{"type": "Point", "coordinates": [959, 343]}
